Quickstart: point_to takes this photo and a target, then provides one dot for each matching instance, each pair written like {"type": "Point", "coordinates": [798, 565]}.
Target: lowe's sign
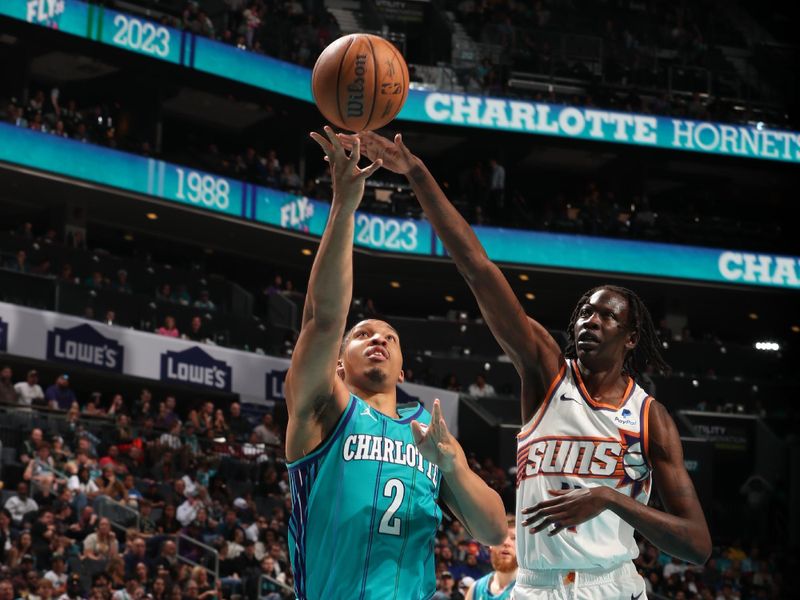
{"type": "Point", "coordinates": [195, 366]}
{"type": "Point", "coordinates": [85, 346]}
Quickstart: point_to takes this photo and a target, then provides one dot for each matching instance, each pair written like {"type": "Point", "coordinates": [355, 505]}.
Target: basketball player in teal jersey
{"type": "Point", "coordinates": [364, 474]}
{"type": "Point", "coordinates": [498, 584]}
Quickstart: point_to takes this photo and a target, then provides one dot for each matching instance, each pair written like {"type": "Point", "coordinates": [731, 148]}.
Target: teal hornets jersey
{"type": "Point", "coordinates": [364, 512]}
{"type": "Point", "coordinates": [481, 589]}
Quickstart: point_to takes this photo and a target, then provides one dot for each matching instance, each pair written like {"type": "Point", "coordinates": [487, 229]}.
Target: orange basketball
{"type": "Point", "coordinates": [360, 82]}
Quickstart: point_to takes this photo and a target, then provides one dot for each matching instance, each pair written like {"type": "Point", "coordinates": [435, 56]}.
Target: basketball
{"type": "Point", "coordinates": [360, 82]}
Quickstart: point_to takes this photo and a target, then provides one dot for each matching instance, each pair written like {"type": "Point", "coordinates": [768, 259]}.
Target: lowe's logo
{"type": "Point", "coordinates": [274, 385]}
{"type": "Point", "coordinates": [84, 345]}
{"type": "Point", "coordinates": [3, 336]}
{"type": "Point", "coordinates": [197, 367]}
{"type": "Point", "coordinates": [45, 12]}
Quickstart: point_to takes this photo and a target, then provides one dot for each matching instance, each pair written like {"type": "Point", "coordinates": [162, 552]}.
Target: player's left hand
{"type": "Point", "coordinates": [568, 509]}
{"type": "Point", "coordinates": [436, 443]}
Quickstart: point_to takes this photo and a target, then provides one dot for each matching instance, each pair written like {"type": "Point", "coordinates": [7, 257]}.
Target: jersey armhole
{"type": "Point", "coordinates": [644, 419]}
{"type": "Point", "coordinates": [325, 444]}
{"type": "Point", "coordinates": [537, 417]}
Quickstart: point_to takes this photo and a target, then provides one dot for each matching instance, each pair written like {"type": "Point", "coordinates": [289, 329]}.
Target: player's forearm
{"type": "Point", "coordinates": [677, 536]}
{"type": "Point", "coordinates": [480, 506]}
{"type": "Point", "coordinates": [457, 236]}
{"type": "Point", "coordinates": [330, 285]}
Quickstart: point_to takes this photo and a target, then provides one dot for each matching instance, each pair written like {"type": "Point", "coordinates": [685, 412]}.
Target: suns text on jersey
{"type": "Point", "coordinates": [586, 457]}
{"type": "Point", "coordinates": [361, 446]}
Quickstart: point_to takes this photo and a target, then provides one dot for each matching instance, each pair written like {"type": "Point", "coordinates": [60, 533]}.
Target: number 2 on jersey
{"type": "Point", "coordinates": [394, 489]}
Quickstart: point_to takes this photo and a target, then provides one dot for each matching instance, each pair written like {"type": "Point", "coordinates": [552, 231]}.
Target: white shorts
{"type": "Point", "coordinates": [622, 582]}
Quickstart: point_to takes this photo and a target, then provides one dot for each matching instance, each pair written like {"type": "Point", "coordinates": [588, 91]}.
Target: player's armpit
{"type": "Point", "coordinates": [681, 531]}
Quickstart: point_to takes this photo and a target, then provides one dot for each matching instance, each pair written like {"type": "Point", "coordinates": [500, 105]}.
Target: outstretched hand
{"type": "Point", "coordinates": [348, 179]}
{"type": "Point", "coordinates": [395, 156]}
{"type": "Point", "coordinates": [436, 443]}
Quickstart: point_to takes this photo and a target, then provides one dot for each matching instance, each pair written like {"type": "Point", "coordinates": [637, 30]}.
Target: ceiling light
{"type": "Point", "coordinates": [306, 252]}
{"type": "Point", "coordinates": [152, 216]}
{"type": "Point", "coordinates": [128, 237]}
{"type": "Point", "coordinates": [523, 277]}
{"type": "Point", "coordinates": [795, 328]}
{"type": "Point", "coordinates": [449, 298]}
{"type": "Point", "coordinates": [394, 284]}
{"type": "Point", "coordinates": [768, 346]}
{"type": "Point", "coordinates": [530, 296]}
{"type": "Point", "coordinates": [753, 316]}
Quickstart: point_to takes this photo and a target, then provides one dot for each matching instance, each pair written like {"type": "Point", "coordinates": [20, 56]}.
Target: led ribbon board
{"type": "Point", "coordinates": [217, 194]}
{"type": "Point", "coordinates": [141, 36]}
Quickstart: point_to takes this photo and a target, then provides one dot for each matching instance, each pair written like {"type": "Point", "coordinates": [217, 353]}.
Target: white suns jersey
{"type": "Point", "coordinates": [575, 442]}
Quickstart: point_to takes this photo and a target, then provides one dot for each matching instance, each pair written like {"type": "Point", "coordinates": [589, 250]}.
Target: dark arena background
{"type": "Point", "coordinates": [162, 204]}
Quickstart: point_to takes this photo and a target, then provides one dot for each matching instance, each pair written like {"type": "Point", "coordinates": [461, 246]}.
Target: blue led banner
{"type": "Point", "coordinates": [139, 35]}
{"type": "Point", "coordinates": [218, 194]}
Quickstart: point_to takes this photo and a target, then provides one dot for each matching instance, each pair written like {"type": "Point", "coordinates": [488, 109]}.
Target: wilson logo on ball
{"type": "Point", "coordinates": [355, 101]}
{"type": "Point", "coordinates": [360, 82]}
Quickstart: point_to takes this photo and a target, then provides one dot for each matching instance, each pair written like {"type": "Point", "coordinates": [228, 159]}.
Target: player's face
{"type": "Point", "coordinates": [602, 331]}
{"type": "Point", "coordinates": [504, 556]}
{"type": "Point", "coordinates": [372, 358]}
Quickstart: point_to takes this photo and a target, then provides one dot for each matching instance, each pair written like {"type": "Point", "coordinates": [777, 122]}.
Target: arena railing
{"type": "Point", "coordinates": [274, 582]}
{"type": "Point", "coordinates": [194, 545]}
{"type": "Point", "coordinates": [122, 517]}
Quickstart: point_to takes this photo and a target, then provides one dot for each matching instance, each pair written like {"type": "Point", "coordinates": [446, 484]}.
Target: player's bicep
{"type": "Point", "coordinates": [311, 379]}
{"type": "Point", "coordinates": [672, 481]}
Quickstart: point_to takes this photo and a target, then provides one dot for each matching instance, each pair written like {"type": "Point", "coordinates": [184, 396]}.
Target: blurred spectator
{"type": "Point", "coordinates": [59, 395]}
{"type": "Point", "coordinates": [196, 331]}
{"type": "Point", "coordinates": [267, 431]}
{"type": "Point", "coordinates": [239, 425]}
{"type": "Point", "coordinates": [169, 329]}
{"type": "Point", "coordinates": [204, 302]}
{"type": "Point", "coordinates": [8, 395]}
{"type": "Point", "coordinates": [481, 389]}
{"type": "Point", "coordinates": [20, 504]}
{"type": "Point", "coordinates": [19, 263]}
{"type": "Point", "coordinates": [29, 391]}
{"type": "Point", "coordinates": [121, 284]}
{"type": "Point", "coordinates": [164, 293]}
{"type": "Point", "coordinates": [102, 543]}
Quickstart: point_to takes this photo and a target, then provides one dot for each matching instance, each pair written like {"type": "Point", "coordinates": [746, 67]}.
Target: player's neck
{"type": "Point", "coordinates": [502, 579]}
{"type": "Point", "coordinates": [384, 402]}
{"type": "Point", "coordinates": [605, 384]}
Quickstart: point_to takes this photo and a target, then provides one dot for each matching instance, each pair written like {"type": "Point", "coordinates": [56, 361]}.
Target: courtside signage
{"type": "Point", "coordinates": [255, 378]}
{"type": "Point", "coordinates": [83, 345]}
{"type": "Point", "coordinates": [294, 213]}
{"type": "Point", "coordinates": [142, 36]}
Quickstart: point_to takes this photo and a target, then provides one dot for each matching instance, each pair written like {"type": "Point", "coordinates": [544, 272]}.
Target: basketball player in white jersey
{"type": "Point", "coordinates": [593, 443]}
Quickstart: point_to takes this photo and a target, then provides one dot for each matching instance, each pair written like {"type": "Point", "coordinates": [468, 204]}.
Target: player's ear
{"type": "Point", "coordinates": [402, 377]}
{"type": "Point", "coordinates": [340, 369]}
{"type": "Point", "coordinates": [633, 340]}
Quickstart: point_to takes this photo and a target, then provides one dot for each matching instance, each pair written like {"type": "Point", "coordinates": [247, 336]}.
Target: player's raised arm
{"type": "Point", "coordinates": [530, 347]}
{"type": "Point", "coordinates": [314, 396]}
